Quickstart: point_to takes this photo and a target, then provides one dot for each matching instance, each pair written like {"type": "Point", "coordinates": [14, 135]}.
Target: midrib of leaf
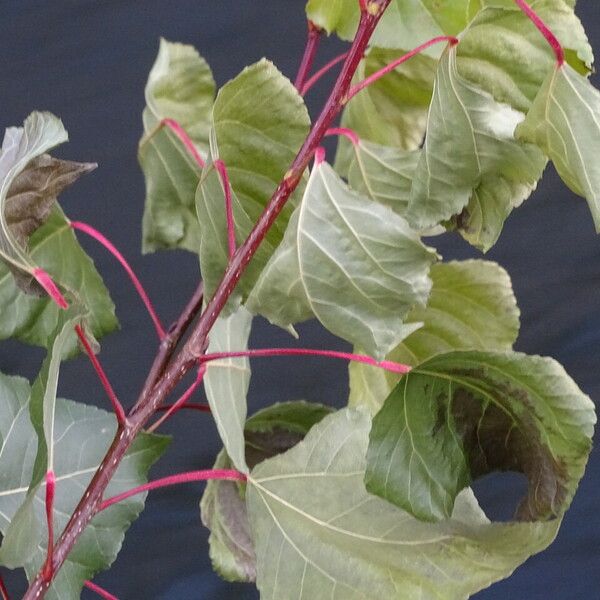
{"type": "Point", "coordinates": [333, 528]}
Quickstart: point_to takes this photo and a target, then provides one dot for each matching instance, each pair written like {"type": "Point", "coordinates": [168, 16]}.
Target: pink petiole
{"type": "Point", "coordinates": [48, 570]}
{"type": "Point", "coordinates": [222, 171]}
{"type": "Point", "coordinates": [95, 234]}
{"type": "Point", "coordinates": [321, 72]}
{"type": "Point", "coordinates": [544, 30]}
{"type": "Point", "coordinates": [100, 591]}
{"type": "Point", "coordinates": [180, 132]}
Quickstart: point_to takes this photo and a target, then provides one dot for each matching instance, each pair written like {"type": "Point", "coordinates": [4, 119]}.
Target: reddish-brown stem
{"type": "Point", "coordinates": [222, 171]}
{"type": "Point", "coordinates": [320, 155]}
{"type": "Point", "coordinates": [308, 58]}
{"type": "Point", "coordinates": [51, 288]}
{"type": "Point", "coordinates": [157, 389]}
{"type": "Point", "coordinates": [347, 133]}
{"type": "Point", "coordinates": [396, 63]}
{"type": "Point", "coordinates": [321, 72]}
{"type": "Point", "coordinates": [180, 132]}
{"type": "Point", "coordinates": [3, 589]}
{"type": "Point", "coordinates": [363, 5]}
{"type": "Point", "coordinates": [110, 392]}
{"type": "Point", "coordinates": [205, 408]}
{"type": "Point", "coordinates": [270, 352]}
{"type": "Point", "coordinates": [100, 591]}
{"type": "Point", "coordinates": [544, 30]}
{"type": "Point", "coordinates": [94, 233]}
{"type": "Point", "coordinates": [48, 569]}
{"type": "Point", "coordinates": [189, 477]}
{"type": "Point", "coordinates": [183, 400]}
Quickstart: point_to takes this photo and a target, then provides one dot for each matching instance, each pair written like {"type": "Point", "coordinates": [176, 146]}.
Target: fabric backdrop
{"type": "Point", "coordinates": [87, 61]}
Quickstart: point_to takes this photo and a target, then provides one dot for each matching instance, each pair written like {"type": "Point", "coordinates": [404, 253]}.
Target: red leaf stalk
{"type": "Point", "coordinates": [347, 133]}
{"type": "Point", "coordinates": [182, 401]}
{"type": "Point", "coordinates": [189, 477]}
{"type": "Point", "coordinates": [100, 591]}
{"type": "Point", "coordinates": [321, 72]}
{"type": "Point", "coordinates": [544, 30]}
{"type": "Point", "coordinates": [110, 392]}
{"type": "Point", "coordinates": [396, 63]}
{"type": "Point", "coordinates": [48, 569]}
{"type": "Point", "coordinates": [308, 58]}
{"type": "Point", "coordinates": [94, 233]}
{"type": "Point", "coordinates": [3, 589]}
{"type": "Point", "coordinates": [50, 287]}
{"type": "Point", "coordinates": [222, 171]}
{"type": "Point", "coordinates": [185, 139]}
{"type": "Point", "coordinates": [270, 352]}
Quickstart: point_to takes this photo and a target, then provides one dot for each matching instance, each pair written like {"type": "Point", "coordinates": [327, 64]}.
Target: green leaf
{"type": "Point", "coordinates": [383, 173]}
{"type": "Point", "coordinates": [319, 534]}
{"type": "Point", "coordinates": [471, 307]}
{"type": "Point", "coordinates": [565, 122]}
{"type": "Point", "coordinates": [503, 53]}
{"type": "Point", "coordinates": [226, 382]}
{"type": "Point", "coordinates": [180, 87]}
{"type": "Point", "coordinates": [393, 110]}
{"type": "Point", "coordinates": [269, 432]}
{"type": "Point", "coordinates": [353, 263]}
{"type": "Point", "coordinates": [406, 23]}
{"type": "Point", "coordinates": [469, 146]}
{"type": "Point", "coordinates": [33, 320]}
{"type": "Point", "coordinates": [257, 141]}
{"type": "Point", "coordinates": [462, 415]}
{"type": "Point", "coordinates": [91, 431]}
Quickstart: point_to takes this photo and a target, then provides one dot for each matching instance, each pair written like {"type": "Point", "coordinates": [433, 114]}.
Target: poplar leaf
{"type": "Point", "coordinates": [268, 432]}
{"type": "Point", "coordinates": [462, 415]}
{"type": "Point", "coordinates": [393, 110]}
{"type": "Point", "coordinates": [226, 382]}
{"type": "Point", "coordinates": [319, 534]}
{"type": "Point", "coordinates": [502, 52]}
{"type": "Point", "coordinates": [472, 306]}
{"type": "Point", "coordinates": [406, 23]}
{"type": "Point", "coordinates": [469, 146]}
{"type": "Point", "coordinates": [91, 431]}
{"type": "Point", "coordinates": [565, 122]}
{"type": "Point", "coordinates": [180, 87]}
{"type": "Point", "coordinates": [257, 141]}
{"type": "Point", "coordinates": [354, 264]}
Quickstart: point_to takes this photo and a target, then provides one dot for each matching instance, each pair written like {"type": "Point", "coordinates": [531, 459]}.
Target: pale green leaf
{"type": "Point", "coordinates": [268, 432]}
{"type": "Point", "coordinates": [180, 87]}
{"type": "Point", "coordinates": [565, 122]}
{"type": "Point", "coordinates": [462, 415]}
{"type": "Point", "coordinates": [469, 145]}
{"type": "Point", "coordinates": [471, 307]}
{"type": "Point", "coordinates": [91, 431]}
{"type": "Point", "coordinates": [319, 534]}
{"type": "Point", "coordinates": [33, 320]}
{"type": "Point", "coordinates": [226, 382]}
{"type": "Point", "coordinates": [257, 141]}
{"type": "Point", "coordinates": [503, 53]}
{"type": "Point", "coordinates": [360, 268]}
{"type": "Point", "coordinates": [383, 173]}
{"type": "Point", "coordinates": [406, 23]}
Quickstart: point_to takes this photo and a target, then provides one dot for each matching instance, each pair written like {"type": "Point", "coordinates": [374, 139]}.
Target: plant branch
{"type": "Point", "coordinates": [396, 63]}
{"type": "Point", "coordinates": [544, 30]}
{"type": "Point", "coordinates": [163, 379]}
{"type": "Point", "coordinates": [94, 233]}
{"type": "Point", "coordinates": [189, 477]}
{"type": "Point", "coordinates": [312, 45]}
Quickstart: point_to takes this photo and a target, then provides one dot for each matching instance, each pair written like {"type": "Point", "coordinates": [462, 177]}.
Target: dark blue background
{"type": "Point", "coordinates": [87, 61]}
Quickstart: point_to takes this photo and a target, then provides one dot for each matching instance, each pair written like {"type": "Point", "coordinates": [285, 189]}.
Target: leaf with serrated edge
{"type": "Point", "coordinates": [257, 141]}
{"type": "Point", "coordinates": [91, 431]}
{"type": "Point", "coordinates": [565, 122]}
{"type": "Point", "coordinates": [54, 248]}
{"type": "Point", "coordinates": [268, 432]}
{"type": "Point", "coordinates": [470, 136]}
{"type": "Point", "coordinates": [471, 307]}
{"type": "Point", "coordinates": [319, 534]}
{"type": "Point", "coordinates": [226, 382]}
{"type": "Point", "coordinates": [462, 415]}
{"type": "Point", "coordinates": [353, 258]}
{"type": "Point", "coordinates": [180, 87]}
